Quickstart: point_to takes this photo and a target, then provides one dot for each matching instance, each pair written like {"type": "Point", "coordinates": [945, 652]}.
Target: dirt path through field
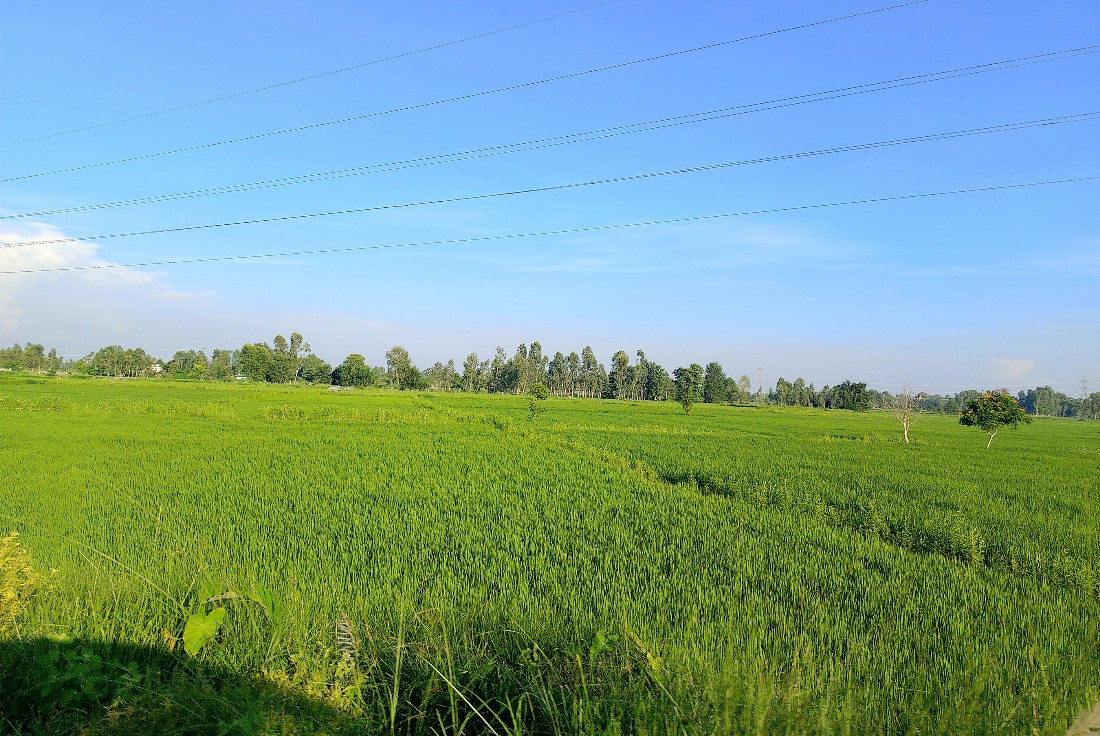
{"type": "Point", "coordinates": [1087, 724]}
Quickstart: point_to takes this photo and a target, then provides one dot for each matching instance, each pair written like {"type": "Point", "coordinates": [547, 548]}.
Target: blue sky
{"type": "Point", "coordinates": [973, 290]}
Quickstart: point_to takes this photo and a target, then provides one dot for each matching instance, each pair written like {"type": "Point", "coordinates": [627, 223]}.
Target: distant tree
{"type": "Point", "coordinates": [659, 385]}
{"type": "Point", "coordinates": [442, 377]}
{"type": "Point", "coordinates": [849, 395]}
{"type": "Point", "coordinates": [639, 378]}
{"type": "Point", "coordinates": [1090, 407]}
{"type": "Point", "coordinates": [499, 374]}
{"type": "Point", "coordinates": [993, 410]}
{"type": "Point", "coordinates": [116, 361]}
{"type": "Point", "coordinates": [517, 371]}
{"type": "Point", "coordinates": [34, 356]}
{"type": "Point", "coordinates": [688, 386]}
{"type": "Point", "coordinates": [314, 370]}
{"type": "Point", "coordinates": [187, 364]}
{"type": "Point", "coordinates": [282, 368]}
{"type": "Point", "coordinates": [415, 380]}
{"type": "Point", "coordinates": [539, 393]}
{"type": "Point", "coordinates": [573, 365]}
{"type": "Point", "coordinates": [557, 376]}
{"type": "Point", "coordinates": [286, 358]}
{"type": "Point", "coordinates": [109, 361]}
{"type": "Point", "coordinates": [399, 367]}
{"type": "Point", "coordinates": [470, 381]}
{"type": "Point", "coordinates": [744, 386]}
{"type": "Point", "coordinates": [715, 389]}
{"type": "Point", "coordinates": [904, 406]}
{"type": "Point", "coordinates": [1042, 401]}
{"type": "Point", "coordinates": [783, 393]}
{"type": "Point", "coordinates": [618, 380]}
{"type": "Point", "coordinates": [801, 395]}
{"type": "Point", "coordinates": [353, 372]}
{"type": "Point", "coordinates": [255, 361]}
{"type": "Point", "coordinates": [536, 364]}
{"type": "Point", "coordinates": [592, 376]}
{"type": "Point", "coordinates": [12, 358]}
{"type": "Point", "coordinates": [222, 364]}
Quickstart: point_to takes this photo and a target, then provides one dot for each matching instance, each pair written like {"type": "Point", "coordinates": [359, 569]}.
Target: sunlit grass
{"type": "Point", "coordinates": [619, 565]}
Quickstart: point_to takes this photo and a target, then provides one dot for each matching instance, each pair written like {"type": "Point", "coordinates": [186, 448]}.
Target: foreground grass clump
{"type": "Point", "coordinates": [440, 564]}
{"type": "Point", "coordinates": [19, 582]}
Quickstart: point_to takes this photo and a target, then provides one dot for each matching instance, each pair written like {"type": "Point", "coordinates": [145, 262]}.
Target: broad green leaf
{"type": "Point", "coordinates": [200, 629]}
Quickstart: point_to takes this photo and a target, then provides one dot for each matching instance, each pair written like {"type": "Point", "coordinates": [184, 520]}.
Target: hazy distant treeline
{"type": "Point", "coordinates": [579, 375]}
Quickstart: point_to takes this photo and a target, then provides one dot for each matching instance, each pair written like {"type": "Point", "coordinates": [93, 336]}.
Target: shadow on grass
{"type": "Point", "coordinates": [87, 687]}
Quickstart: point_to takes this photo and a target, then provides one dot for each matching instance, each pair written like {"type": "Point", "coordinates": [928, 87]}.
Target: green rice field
{"type": "Point", "coordinates": [427, 563]}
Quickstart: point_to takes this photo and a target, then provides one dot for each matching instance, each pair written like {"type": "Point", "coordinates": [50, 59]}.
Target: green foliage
{"type": "Point", "coordinates": [118, 362]}
{"type": "Point", "coordinates": [539, 393]}
{"type": "Point", "coordinates": [992, 411]}
{"type": "Point", "coordinates": [29, 357]}
{"type": "Point", "coordinates": [850, 395]}
{"type": "Point", "coordinates": [314, 370]}
{"type": "Point", "coordinates": [354, 371]}
{"type": "Point", "coordinates": [201, 628]}
{"type": "Point", "coordinates": [398, 367]}
{"type": "Point", "coordinates": [187, 364]}
{"type": "Point", "coordinates": [688, 386]}
{"type": "Point", "coordinates": [716, 388]}
{"type": "Point", "coordinates": [202, 624]}
{"type": "Point", "coordinates": [255, 361]}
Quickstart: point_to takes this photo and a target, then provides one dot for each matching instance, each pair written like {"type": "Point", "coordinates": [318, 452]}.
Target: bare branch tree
{"type": "Point", "coordinates": [904, 406]}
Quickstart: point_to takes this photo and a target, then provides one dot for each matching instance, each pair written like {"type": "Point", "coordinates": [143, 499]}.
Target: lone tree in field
{"type": "Point", "coordinates": [993, 410]}
{"type": "Point", "coordinates": [687, 385]}
{"type": "Point", "coordinates": [904, 406]}
{"type": "Point", "coordinates": [537, 395]}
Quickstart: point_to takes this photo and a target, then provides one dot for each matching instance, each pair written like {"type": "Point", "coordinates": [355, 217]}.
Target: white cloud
{"type": "Point", "coordinates": [51, 300]}
{"type": "Point", "coordinates": [1012, 370]}
{"type": "Point", "coordinates": [108, 303]}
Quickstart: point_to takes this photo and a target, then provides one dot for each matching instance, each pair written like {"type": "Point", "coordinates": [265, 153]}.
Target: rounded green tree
{"type": "Point", "coordinates": [993, 410]}
{"type": "Point", "coordinates": [688, 386]}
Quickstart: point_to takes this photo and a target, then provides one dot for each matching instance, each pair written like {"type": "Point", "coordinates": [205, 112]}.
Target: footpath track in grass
{"type": "Point", "coordinates": [613, 566]}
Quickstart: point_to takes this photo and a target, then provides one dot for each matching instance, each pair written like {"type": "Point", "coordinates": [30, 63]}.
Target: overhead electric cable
{"type": "Point", "coordinates": [458, 98]}
{"type": "Point", "coordinates": [311, 77]}
{"type": "Point", "coordinates": [565, 231]}
{"type": "Point", "coordinates": [571, 138]}
{"type": "Point", "coordinates": [1081, 117]}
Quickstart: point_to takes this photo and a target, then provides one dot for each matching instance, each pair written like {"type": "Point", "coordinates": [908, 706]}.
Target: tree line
{"type": "Point", "coordinates": [576, 375]}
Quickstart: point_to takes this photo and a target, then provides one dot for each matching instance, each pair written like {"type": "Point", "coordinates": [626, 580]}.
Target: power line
{"type": "Point", "coordinates": [1081, 117]}
{"type": "Point", "coordinates": [566, 231]}
{"type": "Point", "coordinates": [311, 77]}
{"type": "Point", "coordinates": [470, 96]}
{"type": "Point", "coordinates": [572, 138]}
